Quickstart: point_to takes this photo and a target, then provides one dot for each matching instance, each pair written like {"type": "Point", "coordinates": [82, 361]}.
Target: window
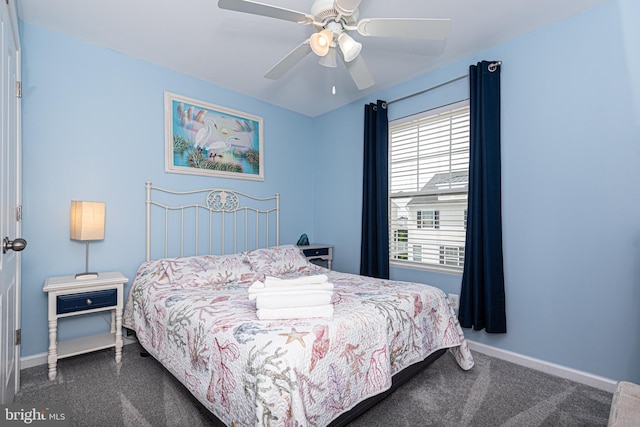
{"type": "Point", "coordinates": [400, 244]}
{"type": "Point", "coordinates": [428, 184]}
{"type": "Point", "coordinates": [417, 253]}
{"type": "Point", "coordinates": [452, 255]}
{"type": "Point", "coordinates": [428, 219]}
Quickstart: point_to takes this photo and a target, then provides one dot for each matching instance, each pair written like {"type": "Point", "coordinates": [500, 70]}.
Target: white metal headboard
{"type": "Point", "coordinates": [249, 219]}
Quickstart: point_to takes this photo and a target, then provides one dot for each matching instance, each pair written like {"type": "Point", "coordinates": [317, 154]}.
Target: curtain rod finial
{"type": "Point", "coordinates": [494, 66]}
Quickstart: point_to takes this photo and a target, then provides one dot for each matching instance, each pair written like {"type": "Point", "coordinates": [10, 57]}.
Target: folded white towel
{"type": "Point", "coordinates": [293, 299]}
{"type": "Point", "coordinates": [276, 282]}
{"type": "Point", "coordinates": [295, 313]}
{"type": "Point", "coordinates": [258, 288]}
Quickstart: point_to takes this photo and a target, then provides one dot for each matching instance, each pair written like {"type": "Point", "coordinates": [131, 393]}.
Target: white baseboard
{"type": "Point", "coordinates": [33, 360]}
{"type": "Point", "coordinates": [41, 358]}
{"type": "Point", "coordinates": [581, 377]}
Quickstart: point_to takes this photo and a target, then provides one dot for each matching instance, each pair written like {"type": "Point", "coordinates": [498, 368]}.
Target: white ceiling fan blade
{"type": "Point", "coordinates": [256, 8]}
{"type": "Point", "coordinates": [346, 7]}
{"type": "Point", "coordinates": [288, 62]}
{"type": "Point", "coordinates": [360, 73]}
{"type": "Point", "coordinates": [423, 28]}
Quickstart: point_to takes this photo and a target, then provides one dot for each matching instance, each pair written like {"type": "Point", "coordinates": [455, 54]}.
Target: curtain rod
{"type": "Point", "coordinates": [493, 65]}
{"type": "Point", "coordinates": [428, 90]}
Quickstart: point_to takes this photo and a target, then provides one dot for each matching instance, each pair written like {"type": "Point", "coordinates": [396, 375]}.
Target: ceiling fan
{"type": "Point", "coordinates": [332, 21]}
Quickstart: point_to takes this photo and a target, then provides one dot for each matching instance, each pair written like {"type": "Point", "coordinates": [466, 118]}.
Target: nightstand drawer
{"type": "Point", "coordinates": [86, 301]}
{"type": "Point", "coordinates": [315, 252]}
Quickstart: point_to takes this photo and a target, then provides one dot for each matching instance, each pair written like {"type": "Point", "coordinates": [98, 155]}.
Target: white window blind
{"type": "Point", "coordinates": [428, 184]}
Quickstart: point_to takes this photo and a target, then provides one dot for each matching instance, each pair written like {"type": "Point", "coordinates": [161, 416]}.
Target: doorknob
{"type": "Point", "coordinates": [16, 245]}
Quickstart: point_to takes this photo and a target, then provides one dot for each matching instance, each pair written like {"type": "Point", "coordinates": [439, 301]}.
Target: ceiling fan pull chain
{"type": "Point", "coordinates": [333, 88]}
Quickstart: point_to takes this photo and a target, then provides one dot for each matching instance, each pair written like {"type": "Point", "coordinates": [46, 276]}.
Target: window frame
{"type": "Point", "coordinates": [422, 260]}
{"type": "Point", "coordinates": [455, 257]}
{"type": "Point", "coordinates": [433, 222]}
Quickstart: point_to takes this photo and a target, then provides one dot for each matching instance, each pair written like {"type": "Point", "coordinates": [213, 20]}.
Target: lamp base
{"type": "Point", "coordinates": [87, 275]}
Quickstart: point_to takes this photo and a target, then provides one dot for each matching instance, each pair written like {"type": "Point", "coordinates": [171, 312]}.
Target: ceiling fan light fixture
{"type": "Point", "coordinates": [349, 47]}
{"type": "Point", "coordinates": [321, 42]}
{"type": "Point", "coordinates": [329, 60]}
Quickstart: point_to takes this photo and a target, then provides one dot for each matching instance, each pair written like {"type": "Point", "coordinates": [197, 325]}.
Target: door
{"type": "Point", "coordinates": [10, 213]}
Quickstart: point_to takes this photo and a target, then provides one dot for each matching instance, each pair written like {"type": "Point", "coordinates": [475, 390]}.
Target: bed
{"type": "Point", "coordinates": [192, 313]}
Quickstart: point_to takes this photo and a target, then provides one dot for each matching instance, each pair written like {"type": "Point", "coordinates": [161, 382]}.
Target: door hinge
{"type": "Point", "coordinates": [18, 336]}
{"type": "Point", "coordinates": [19, 213]}
{"type": "Point", "coordinates": [19, 89]}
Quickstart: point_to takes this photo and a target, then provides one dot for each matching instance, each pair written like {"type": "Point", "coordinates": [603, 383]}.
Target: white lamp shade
{"type": "Point", "coordinates": [320, 42]}
{"type": "Point", "coordinates": [329, 60]}
{"type": "Point", "coordinates": [87, 220]}
{"type": "Point", "coordinates": [349, 47]}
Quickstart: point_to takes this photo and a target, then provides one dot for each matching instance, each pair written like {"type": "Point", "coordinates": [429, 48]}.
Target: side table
{"type": "Point", "coordinates": [318, 252]}
{"type": "Point", "coordinates": [69, 297]}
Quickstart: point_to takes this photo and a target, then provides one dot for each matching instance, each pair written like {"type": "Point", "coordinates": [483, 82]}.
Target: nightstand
{"type": "Point", "coordinates": [69, 297]}
{"type": "Point", "coordinates": [315, 253]}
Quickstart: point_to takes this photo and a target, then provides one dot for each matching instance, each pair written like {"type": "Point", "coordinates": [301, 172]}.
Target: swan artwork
{"type": "Point", "coordinates": [204, 133]}
{"type": "Point", "coordinates": [205, 139]}
{"type": "Point", "coordinates": [212, 141]}
{"type": "Point", "coordinates": [219, 146]}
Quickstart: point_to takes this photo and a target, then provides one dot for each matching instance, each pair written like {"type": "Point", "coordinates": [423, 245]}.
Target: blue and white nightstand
{"type": "Point", "coordinates": [68, 297]}
{"type": "Point", "coordinates": [318, 254]}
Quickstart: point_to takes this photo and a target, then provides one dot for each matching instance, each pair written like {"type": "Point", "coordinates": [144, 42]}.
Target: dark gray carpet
{"type": "Point", "coordinates": [140, 392]}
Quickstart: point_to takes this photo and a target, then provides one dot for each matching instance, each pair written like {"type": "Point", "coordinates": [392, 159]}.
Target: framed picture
{"type": "Point", "coordinates": [206, 139]}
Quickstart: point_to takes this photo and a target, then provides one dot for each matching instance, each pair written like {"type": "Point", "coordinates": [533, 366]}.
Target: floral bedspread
{"type": "Point", "coordinates": [193, 315]}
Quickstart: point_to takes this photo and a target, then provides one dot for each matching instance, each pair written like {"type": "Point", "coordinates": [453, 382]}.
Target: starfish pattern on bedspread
{"type": "Point", "coordinates": [294, 335]}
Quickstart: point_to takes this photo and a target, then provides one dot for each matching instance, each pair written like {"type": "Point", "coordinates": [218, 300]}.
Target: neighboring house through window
{"type": "Point", "coordinates": [428, 185]}
{"type": "Point", "coordinates": [452, 255]}
{"type": "Point", "coordinates": [428, 219]}
{"type": "Point", "coordinates": [417, 253]}
{"type": "Point", "coordinates": [400, 239]}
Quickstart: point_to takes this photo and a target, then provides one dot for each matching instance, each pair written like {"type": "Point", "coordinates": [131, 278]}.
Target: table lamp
{"type": "Point", "coordinates": [87, 223]}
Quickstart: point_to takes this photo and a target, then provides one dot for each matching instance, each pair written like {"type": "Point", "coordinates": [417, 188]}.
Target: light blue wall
{"type": "Point", "coordinates": [571, 188]}
{"type": "Point", "coordinates": [93, 130]}
{"type": "Point", "coordinates": [570, 147]}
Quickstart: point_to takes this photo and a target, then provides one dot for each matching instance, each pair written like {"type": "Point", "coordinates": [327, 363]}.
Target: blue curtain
{"type": "Point", "coordinates": [482, 300]}
{"type": "Point", "coordinates": [374, 249]}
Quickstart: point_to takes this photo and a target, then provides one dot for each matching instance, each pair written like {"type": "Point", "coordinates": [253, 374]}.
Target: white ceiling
{"type": "Point", "coordinates": [234, 50]}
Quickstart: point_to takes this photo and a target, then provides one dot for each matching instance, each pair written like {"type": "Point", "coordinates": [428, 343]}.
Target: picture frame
{"type": "Point", "coordinates": [206, 139]}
